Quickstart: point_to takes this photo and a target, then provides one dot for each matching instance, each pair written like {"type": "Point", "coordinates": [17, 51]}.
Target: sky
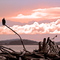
{"type": "Point", "coordinates": [31, 19]}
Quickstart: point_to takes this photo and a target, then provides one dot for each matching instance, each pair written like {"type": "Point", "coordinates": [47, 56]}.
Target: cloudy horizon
{"type": "Point", "coordinates": [31, 19]}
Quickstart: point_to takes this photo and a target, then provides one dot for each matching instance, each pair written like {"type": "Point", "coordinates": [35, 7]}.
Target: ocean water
{"type": "Point", "coordinates": [19, 48]}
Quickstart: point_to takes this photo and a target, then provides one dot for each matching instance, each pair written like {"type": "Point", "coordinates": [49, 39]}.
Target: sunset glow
{"type": "Point", "coordinates": [39, 15]}
{"type": "Point", "coordinates": [35, 28]}
{"type": "Point", "coordinates": [30, 17]}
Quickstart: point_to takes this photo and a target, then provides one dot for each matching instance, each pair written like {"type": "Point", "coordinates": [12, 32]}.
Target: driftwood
{"type": "Point", "coordinates": [39, 46]}
{"type": "Point", "coordinates": [48, 50]}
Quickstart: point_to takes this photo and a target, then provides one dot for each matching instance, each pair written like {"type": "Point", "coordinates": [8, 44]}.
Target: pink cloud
{"type": "Point", "coordinates": [39, 14]}
{"type": "Point", "coordinates": [35, 28]}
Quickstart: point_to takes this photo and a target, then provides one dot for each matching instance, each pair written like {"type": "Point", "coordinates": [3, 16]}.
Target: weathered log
{"type": "Point", "coordinates": [53, 47]}
{"type": "Point", "coordinates": [40, 46]}
{"type": "Point", "coordinates": [44, 45]}
{"type": "Point", "coordinates": [8, 49]}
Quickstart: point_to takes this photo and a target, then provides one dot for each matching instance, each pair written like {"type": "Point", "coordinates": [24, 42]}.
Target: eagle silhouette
{"type": "Point", "coordinates": [3, 21]}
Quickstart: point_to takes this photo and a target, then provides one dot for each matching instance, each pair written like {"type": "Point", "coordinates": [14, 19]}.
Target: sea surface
{"type": "Point", "coordinates": [19, 48]}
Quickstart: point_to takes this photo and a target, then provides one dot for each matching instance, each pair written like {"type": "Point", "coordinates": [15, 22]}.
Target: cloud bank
{"type": "Point", "coordinates": [35, 28]}
{"type": "Point", "coordinates": [40, 14]}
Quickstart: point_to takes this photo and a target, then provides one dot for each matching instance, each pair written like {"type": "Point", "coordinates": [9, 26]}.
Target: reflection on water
{"type": "Point", "coordinates": [19, 48]}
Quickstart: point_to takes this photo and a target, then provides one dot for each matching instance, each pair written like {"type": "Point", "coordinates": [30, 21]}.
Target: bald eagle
{"type": "Point", "coordinates": [3, 21]}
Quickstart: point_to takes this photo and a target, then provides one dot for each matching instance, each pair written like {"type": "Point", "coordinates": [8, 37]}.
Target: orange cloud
{"type": "Point", "coordinates": [35, 28]}
{"type": "Point", "coordinates": [40, 14]}
{"type": "Point", "coordinates": [49, 13]}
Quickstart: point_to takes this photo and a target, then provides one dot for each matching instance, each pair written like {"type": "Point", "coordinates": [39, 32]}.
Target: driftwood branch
{"type": "Point", "coordinates": [48, 50]}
